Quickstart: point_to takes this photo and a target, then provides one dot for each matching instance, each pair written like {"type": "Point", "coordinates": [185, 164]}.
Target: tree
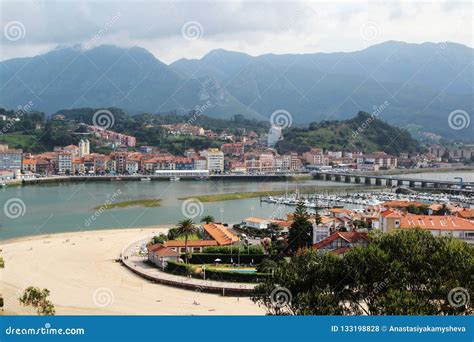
{"type": "Point", "coordinates": [159, 238]}
{"type": "Point", "coordinates": [301, 230]}
{"type": "Point", "coordinates": [186, 228]}
{"type": "Point", "coordinates": [208, 219]}
{"type": "Point", "coordinates": [409, 272]}
{"type": "Point", "coordinates": [38, 299]}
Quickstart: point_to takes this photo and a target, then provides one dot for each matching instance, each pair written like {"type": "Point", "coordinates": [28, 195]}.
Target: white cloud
{"type": "Point", "coordinates": [254, 27]}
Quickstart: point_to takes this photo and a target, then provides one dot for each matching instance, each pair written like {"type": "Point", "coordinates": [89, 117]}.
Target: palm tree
{"type": "Point", "coordinates": [207, 219]}
{"type": "Point", "coordinates": [186, 228]}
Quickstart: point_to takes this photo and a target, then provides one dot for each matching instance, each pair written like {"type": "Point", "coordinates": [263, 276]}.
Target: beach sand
{"type": "Point", "coordinates": [79, 270]}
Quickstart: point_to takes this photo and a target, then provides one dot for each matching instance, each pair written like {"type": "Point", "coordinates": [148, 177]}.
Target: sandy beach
{"type": "Point", "coordinates": [79, 270]}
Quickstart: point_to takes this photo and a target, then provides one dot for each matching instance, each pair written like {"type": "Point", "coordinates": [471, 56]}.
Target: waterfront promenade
{"type": "Point", "coordinates": [137, 265]}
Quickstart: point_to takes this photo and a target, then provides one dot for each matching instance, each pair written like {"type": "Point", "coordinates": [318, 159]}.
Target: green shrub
{"type": "Point", "coordinates": [179, 268]}
{"type": "Point", "coordinates": [218, 275]}
{"type": "Point", "coordinates": [159, 238]}
{"type": "Point", "coordinates": [208, 258]}
{"type": "Point", "coordinates": [255, 250]}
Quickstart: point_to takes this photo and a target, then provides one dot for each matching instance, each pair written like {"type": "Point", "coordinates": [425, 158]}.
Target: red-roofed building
{"type": "Point", "coordinates": [160, 255]}
{"type": "Point", "coordinates": [340, 242]}
{"type": "Point", "coordinates": [467, 214]}
{"type": "Point", "coordinates": [438, 225]}
{"type": "Point", "coordinates": [193, 245]}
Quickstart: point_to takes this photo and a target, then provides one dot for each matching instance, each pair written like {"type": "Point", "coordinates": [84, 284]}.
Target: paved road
{"type": "Point", "coordinates": [136, 263]}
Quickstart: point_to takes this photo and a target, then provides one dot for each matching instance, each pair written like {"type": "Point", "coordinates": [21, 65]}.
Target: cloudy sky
{"type": "Point", "coordinates": [176, 29]}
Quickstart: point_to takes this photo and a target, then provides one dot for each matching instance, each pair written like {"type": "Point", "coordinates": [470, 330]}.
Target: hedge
{"type": "Point", "coordinates": [185, 270]}
{"type": "Point", "coordinates": [208, 258]}
{"type": "Point", "coordinates": [233, 250]}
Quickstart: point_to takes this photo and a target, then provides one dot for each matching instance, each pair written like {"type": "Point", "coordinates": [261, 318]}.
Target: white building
{"type": "Point", "coordinates": [64, 162]}
{"type": "Point", "coordinates": [200, 163]}
{"type": "Point", "coordinates": [84, 147]}
{"type": "Point", "coordinates": [254, 222]}
{"type": "Point", "coordinates": [274, 135]}
{"type": "Point", "coordinates": [215, 160]}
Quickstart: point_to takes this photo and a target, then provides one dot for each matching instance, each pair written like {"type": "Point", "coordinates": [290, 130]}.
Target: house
{"type": "Point", "coordinates": [195, 246]}
{"type": "Point", "coordinates": [403, 205]}
{"type": "Point", "coordinates": [466, 213]}
{"type": "Point", "coordinates": [341, 242]}
{"type": "Point", "coordinates": [438, 225]}
{"type": "Point", "coordinates": [255, 222]}
{"type": "Point", "coordinates": [10, 159]}
{"type": "Point", "coordinates": [160, 255]}
{"type": "Point", "coordinates": [221, 234]}
{"type": "Point", "coordinates": [215, 235]}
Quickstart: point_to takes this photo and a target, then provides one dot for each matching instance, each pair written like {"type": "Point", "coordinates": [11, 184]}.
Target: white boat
{"type": "Point", "coordinates": [145, 179]}
{"type": "Point", "coordinates": [174, 178]}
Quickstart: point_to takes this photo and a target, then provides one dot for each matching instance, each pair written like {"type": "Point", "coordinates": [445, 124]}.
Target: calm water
{"type": "Point", "coordinates": [69, 207]}
{"type": "Point", "coordinates": [445, 176]}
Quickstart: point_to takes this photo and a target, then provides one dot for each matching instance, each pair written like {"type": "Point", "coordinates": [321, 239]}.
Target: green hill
{"type": "Point", "coordinates": [364, 133]}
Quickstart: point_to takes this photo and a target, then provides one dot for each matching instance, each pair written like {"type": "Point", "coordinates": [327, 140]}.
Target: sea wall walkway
{"type": "Point", "coordinates": [136, 264]}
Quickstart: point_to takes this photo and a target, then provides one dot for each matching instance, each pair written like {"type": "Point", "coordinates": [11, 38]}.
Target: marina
{"type": "Point", "coordinates": [326, 200]}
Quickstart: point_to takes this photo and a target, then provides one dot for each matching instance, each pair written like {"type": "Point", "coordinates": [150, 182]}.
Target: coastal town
{"type": "Point", "coordinates": [236, 170]}
{"type": "Point", "coordinates": [248, 153]}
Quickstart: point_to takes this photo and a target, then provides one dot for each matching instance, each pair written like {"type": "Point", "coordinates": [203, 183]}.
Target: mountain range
{"type": "Point", "coordinates": [419, 84]}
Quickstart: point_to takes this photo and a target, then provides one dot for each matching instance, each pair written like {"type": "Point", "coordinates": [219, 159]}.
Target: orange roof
{"type": "Point", "coordinates": [402, 204]}
{"type": "Point", "coordinates": [435, 206]}
{"type": "Point", "coordinates": [191, 243]}
{"type": "Point", "coordinates": [70, 146]}
{"type": "Point", "coordinates": [438, 222]}
{"type": "Point", "coordinates": [391, 213]}
{"type": "Point", "coordinates": [161, 250]}
{"type": "Point", "coordinates": [350, 237]}
{"type": "Point", "coordinates": [282, 223]}
{"type": "Point", "coordinates": [255, 219]}
{"type": "Point", "coordinates": [221, 234]}
{"type": "Point", "coordinates": [29, 161]}
{"type": "Point", "coordinates": [466, 213]}
{"type": "Point", "coordinates": [340, 210]}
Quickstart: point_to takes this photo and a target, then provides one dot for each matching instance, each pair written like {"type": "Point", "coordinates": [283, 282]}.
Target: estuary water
{"type": "Point", "coordinates": [64, 207]}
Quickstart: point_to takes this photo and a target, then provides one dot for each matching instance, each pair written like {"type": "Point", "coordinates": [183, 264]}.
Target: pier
{"type": "Point", "coordinates": [394, 181]}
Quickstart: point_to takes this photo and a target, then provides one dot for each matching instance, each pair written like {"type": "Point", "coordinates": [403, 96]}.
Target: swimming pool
{"type": "Point", "coordinates": [240, 271]}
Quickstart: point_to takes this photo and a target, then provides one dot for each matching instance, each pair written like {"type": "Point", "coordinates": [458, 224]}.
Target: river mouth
{"type": "Point", "coordinates": [68, 207]}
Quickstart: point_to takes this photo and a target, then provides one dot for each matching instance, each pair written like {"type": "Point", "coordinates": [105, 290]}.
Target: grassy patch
{"type": "Point", "coordinates": [303, 191]}
{"type": "Point", "coordinates": [147, 203]}
{"type": "Point", "coordinates": [18, 140]}
{"type": "Point", "coordinates": [193, 237]}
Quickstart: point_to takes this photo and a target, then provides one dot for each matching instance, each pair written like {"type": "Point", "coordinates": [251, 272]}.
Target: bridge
{"type": "Point", "coordinates": [390, 181]}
